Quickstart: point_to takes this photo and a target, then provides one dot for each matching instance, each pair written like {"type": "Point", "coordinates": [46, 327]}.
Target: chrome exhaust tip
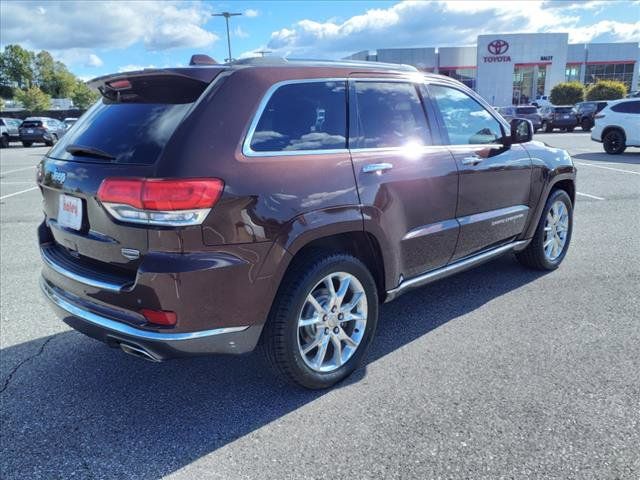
{"type": "Point", "coordinates": [138, 352]}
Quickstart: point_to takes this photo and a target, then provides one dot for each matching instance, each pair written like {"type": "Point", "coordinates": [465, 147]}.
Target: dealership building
{"type": "Point", "coordinates": [517, 68]}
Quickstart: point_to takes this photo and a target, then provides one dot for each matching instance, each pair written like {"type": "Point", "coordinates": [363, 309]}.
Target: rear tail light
{"type": "Point", "coordinates": [160, 317]}
{"type": "Point", "coordinates": [165, 202]}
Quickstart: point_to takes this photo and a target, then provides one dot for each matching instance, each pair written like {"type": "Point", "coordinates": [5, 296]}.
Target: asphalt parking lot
{"type": "Point", "coordinates": [498, 372]}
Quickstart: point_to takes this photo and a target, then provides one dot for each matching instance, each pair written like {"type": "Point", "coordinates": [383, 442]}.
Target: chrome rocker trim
{"type": "Point", "coordinates": [452, 269]}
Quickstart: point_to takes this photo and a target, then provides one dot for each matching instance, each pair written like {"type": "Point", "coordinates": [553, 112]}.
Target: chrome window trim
{"type": "Point", "coordinates": [247, 151]}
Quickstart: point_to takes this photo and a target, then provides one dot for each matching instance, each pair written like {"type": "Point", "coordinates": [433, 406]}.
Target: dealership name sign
{"type": "Point", "coordinates": [497, 49]}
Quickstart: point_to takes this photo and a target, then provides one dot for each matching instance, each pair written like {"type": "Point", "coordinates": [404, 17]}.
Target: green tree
{"type": "Point", "coordinates": [83, 96]}
{"type": "Point", "coordinates": [1, 103]}
{"type": "Point", "coordinates": [16, 65]}
{"type": "Point", "coordinates": [606, 90]}
{"type": "Point", "coordinates": [33, 99]}
{"type": "Point", "coordinates": [53, 77]}
{"type": "Point", "coordinates": [567, 93]}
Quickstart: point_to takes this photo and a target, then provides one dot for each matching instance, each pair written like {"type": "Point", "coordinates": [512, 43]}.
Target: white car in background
{"type": "Point", "coordinates": [618, 125]}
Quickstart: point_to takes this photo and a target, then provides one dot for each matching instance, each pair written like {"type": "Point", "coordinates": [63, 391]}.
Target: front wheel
{"type": "Point", "coordinates": [585, 125]}
{"type": "Point", "coordinates": [570, 129]}
{"type": "Point", "coordinates": [613, 142]}
{"type": "Point", "coordinates": [4, 141]}
{"type": "Point", "coordinates": [547, 128]}
{"type": "Point", "coordinates": [553, 234]}
{"type": "Point", "coordinates": [322, 321]}
{"type": "Point", "coordinates": [27, 144]}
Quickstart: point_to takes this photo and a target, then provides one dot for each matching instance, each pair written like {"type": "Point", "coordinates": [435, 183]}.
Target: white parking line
{"type": "Point", "coordinates": [18, 170]}
{"type": "Point", "coordinates": [588, 195]}
{"type": "Point", "coordinates": [18, 193]}
{"type": "Point", "coordinates": [607, 168]}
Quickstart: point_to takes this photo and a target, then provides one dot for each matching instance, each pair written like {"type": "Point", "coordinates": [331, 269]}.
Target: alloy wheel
{"type": "Point", "coordinates": [332, 322]}
{"type": "Point", "coordinates": [556, 229]}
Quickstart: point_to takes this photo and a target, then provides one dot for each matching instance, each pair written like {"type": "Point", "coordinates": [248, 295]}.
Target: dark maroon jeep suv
{"type": "Point", "coordinates": [214, 209]}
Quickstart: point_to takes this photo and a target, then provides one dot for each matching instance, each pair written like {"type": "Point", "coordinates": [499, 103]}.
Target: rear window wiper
{"type": "Point", "coordinates": [83, 150]}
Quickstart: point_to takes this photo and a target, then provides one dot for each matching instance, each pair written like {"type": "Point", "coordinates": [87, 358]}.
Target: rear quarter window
{"type": "Point", "coordinates": [303, 116]}
{"type": "Point", "coordinates": [627, 107]}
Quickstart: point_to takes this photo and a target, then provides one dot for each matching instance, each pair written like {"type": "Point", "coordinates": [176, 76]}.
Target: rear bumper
{"type": "Point", "coordinates": [93, 320]}
{"type": "Point", "coordinates": [35, 137]}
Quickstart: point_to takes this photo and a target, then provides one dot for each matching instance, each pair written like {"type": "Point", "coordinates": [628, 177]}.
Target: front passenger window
{"type": "Point", "coordinates": [466, 121]}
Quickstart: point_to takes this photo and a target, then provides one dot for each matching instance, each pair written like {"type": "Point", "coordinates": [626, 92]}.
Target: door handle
{"type": "Point", "coordinates": [377, 167]}
{"type": "Point", "coordinates": [472, 160]}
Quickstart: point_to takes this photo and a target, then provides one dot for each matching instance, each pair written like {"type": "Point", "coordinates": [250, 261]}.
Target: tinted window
{"type": "Point", "coordinates": [31, 123]}
{"type": "Point", "coordinates": [389, 114]}
{"type": "Point", "coordinates": [526, 110]}
{"type": "Point", "coordinates": [627, 107]}
{"type": "Point", "coordinates": [466, 121]}
{"type": "Point", "coordinates": [130, 132]}
{"type": "Point", "coordinates": [303, 116]}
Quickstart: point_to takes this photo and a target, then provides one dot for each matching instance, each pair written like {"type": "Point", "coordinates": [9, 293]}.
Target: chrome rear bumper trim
{"type": "Point", "coordinates": [124, 329]}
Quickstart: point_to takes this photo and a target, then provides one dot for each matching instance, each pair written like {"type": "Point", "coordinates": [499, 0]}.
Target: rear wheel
{"type": "Point", "coordinates": [322, 321]}
{"type": "Point", "coordinates": [27, 144]}
{"type": "Point", "coordinates": [4, 141]}
{"type": "Point", "coordinates": [570, 129]}
{"type": "Point", "coordinates": [585, 124]}
{"type": "Point", "coordinates": [553, 234]}
{"type": "Point", "coordinates": [614, 142]}
{"type": "Point", "coordinates": [53, 141]}
{"type": "Point", "coordinates": [547, 127]}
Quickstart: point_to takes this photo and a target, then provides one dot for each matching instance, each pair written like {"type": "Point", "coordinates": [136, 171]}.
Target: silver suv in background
{"type": "Point", "coordinates": [9, 131]}
{"type": "Point", "coordinates": [528, 112]}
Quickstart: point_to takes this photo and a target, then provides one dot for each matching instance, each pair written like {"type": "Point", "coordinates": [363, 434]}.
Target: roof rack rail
{"type": "Point", "coordinates": [275, 61]}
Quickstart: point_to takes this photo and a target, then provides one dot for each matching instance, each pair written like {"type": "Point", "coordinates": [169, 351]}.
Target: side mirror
{"type": "Point", "coordinates": [521, 131]}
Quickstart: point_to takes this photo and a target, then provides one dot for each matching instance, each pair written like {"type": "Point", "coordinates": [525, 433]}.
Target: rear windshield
{"type": "Point", "coordinates": [31, 124]}
{"type": "Point", "coordinates": [526, 110]}
{"type": "Point", "coordinates": [133, 125]}
{"type": "Point", "coordinates": [564, 109]}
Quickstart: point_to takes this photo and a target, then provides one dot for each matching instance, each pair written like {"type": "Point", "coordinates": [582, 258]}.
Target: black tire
{"type": "Point", "coordinates": [27, 144]}
{"type": "Point", "coordinates": [585, 124]}
{"type": "Point", "coordinates": [279, 341]}
{"type": "Point", "coordinates": [4, 141]}
{"type": "Point", "coordinates": [535, 130]}
{"type": "Point", "coordinates": [547, 127]}
{"type": "Point", "coordinates": [53, 141]}
{"type": "Point", "coordinates": [534, 256]}
{"type": "Point", "coordinates": [614, 142]}
{"type": "Point", "coordinates": [570, 129]}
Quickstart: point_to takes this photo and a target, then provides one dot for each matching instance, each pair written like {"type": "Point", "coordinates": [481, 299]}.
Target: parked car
{"type": "Point", "coordinates": [69, 121]}
{"type": "Point", "coordinates": [9, 131]}
{"type": "Point", "coordinates": [585, 113]}
{"type": "Point", "coordinates": [618, 126]}
{"type": "Point", "coordinates": [41, 130]}
{"type": "Point", "coordinates": [562, 117]}
{"type": "Point", "coordinates": [542, 101]}
{"type": "Point", "coordinates": [528, 112]}
{"type": "Point", "coordinates": [238, 208]}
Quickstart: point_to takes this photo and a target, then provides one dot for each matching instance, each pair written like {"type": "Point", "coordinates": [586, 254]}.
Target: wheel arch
{"type": "Point", "coordinates": [610, 128]}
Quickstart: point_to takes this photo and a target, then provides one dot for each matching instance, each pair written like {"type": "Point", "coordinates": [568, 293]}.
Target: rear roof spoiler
{"type": "Point", "coordinates": [201, 59]}
{"type": "Point", "coordinates": [203, 73]}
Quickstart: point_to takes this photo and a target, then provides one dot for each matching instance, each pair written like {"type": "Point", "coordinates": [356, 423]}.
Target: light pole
{"type": "Point", "coordinates": [226, 16]}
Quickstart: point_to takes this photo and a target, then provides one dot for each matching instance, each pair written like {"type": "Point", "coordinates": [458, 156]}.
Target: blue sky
{"type": "Point", "coordinates": [99, 37]}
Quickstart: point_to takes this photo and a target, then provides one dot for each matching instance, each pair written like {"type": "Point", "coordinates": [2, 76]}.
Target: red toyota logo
{"type": "Point", "coordinates": [498, 47]}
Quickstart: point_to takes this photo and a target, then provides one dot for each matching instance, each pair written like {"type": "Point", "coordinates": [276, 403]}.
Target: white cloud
{"type": "Point", "coordinates": [94, 60]}
{"type": "Point", "coordinates": [132, 67]}
{"type": "Point", "coordinates": [251, 12]}
{"type": "Point", "coordinates": [240, 33]}
{"type": "Point", "coordinates": [412, 23]}
{"type": "Point", "coordinates": [159, 25]}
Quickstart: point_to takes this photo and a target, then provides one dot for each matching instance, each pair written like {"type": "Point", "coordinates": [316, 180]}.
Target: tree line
{"type": "Point", "coordinates": [34, 78]}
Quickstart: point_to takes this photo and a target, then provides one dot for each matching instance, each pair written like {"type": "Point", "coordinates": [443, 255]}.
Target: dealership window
{"type": "Point", "coordinates": [572, 72]}
{"type": "Point", "coordinates": [622, 72]}
{"type": "Point", "coordinates": [303, 116]}
{"type": "Point", "coordinates": [463, 75]}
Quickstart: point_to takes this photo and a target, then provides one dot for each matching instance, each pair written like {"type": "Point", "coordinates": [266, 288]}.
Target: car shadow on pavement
{"type": "Point", "coordinates": [630, 157]}
{"type": "Point", "coordinates": [78, 407]}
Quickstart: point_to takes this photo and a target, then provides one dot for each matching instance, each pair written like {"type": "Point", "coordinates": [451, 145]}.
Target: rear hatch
{"type": "Point", "coordinates": [32, 128]}
{"type": "Point", "coordinates": [122, 135]}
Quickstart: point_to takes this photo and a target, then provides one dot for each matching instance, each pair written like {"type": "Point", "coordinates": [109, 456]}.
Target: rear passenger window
{"type": "Point", "coordinates": [303, 116]}
{"type": "Point", "coordinates": [627, 107]}
{"type": "Point", "coordinates": [466, 121]}
{"type": "Point", "coordinates": [389, 114]}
